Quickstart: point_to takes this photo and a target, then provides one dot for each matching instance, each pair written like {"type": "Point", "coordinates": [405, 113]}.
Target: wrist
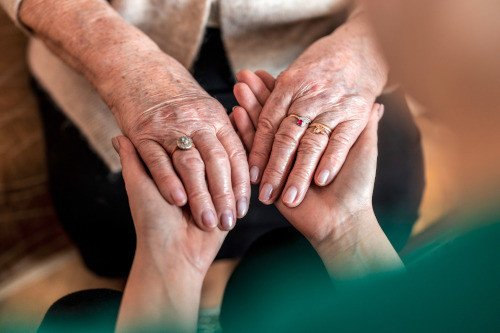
{"type": "Point", "coordinates": [170, 257]}
{"type": "Point", "coordinates": [346, 228]}
{"type": "Point", "coordinates": [357, 247]}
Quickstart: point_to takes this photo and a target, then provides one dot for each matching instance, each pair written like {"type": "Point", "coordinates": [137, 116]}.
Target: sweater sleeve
{"type": "Point", "coordinates": [11, 7]}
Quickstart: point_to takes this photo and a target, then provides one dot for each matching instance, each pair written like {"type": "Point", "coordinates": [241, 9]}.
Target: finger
{"type": "Point", "coordinates": [285, 145]}
{"type": "Point", "coordinates": [267, 78]}
{"type": "Point", "coordinates": [140, 187]}
{"type": "Point", "coordinates": [231, 119]}
{"type": "Point", "coordinates": [311, 148]}
{"type": "Point", "coordinates": [239, 170]}
{"type": "Point", "coordinates": [256, 85]}
{"type": "Point", "coordinates": [341, 141]}
{"type": "Point", "coordinates": [162, 171]}
{"type": "Point", "coordinates": [244, 126]}
{"type": "Point", "coordinates": [218, 170]}
{"type": "Point", "coordinates": [365, 148]}
{"type": "Point", "coordinates": [247, 100]}
{"type": "Point", "coordinates": [272, 114]}
{"type": "Point", "coordinates": [369, 135]}
{"type": "Point", "coordinates": [191, 169]}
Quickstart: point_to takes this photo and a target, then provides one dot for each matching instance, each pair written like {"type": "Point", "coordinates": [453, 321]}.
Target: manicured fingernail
{"type": "Point", "coordinates": [116, 144]}
{"type": "Point", "coordinates": [227, 220]}
{"type": "Point", "coordinates": [323, 177]}
{"type": "Point", "coordinates": [208, 218]}
{"type": "Point", "coordinates": [179, 197]}
{"type": "Point", "coordinates": [290, 195]}
{"type": "Point", "coordinates": [254, 174]}
{"type": "Point", "coordinates": [265, 193]}
{"type": "Point", "coordinates": [242, 207]}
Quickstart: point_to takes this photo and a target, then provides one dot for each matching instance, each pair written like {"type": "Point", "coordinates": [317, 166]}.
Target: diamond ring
{"type": "Point", "coordinates": [184, 143]}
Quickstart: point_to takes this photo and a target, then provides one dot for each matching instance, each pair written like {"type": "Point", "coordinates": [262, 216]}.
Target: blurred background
{"type": "Point", "coordinates": [38, 264]}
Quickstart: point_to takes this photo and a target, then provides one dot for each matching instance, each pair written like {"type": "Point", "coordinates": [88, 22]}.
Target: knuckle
{"type": "Point", "coordinates": [341, 139]}
{"type": "Point", "coordinates": [226, 131]}
{"type": "Point", "coordinates": [301, 175]}
{"type": "Point", "coordinates": [258, 155]}
{"type": "Point", "coordinates": [167, 180]}
{"type": "Point", "coordinates": [333, 159]}
{"type": "Point", "coordinates": [310, 145]}
{"type": "Point", "coordinates": [285, 138]}
{"type": "Point", "coordinates": [198, 196]}
{"type": "Point", "coordinates": [191, 162]}
{"type": "Point", "coordinates": [273, 173]}
{"type": "Point", "coordinates": [223, 197]}
{"type": "Point", "coordinates": [155, 159]}
{"type": "Point", "coordinates": [240, 184]}
{"type": "Point", "coordinates": [238, 153]}
{"type": "Point", "coordinates": [215, 155]}
{"type": "Point", "coordinates": [266, 125]}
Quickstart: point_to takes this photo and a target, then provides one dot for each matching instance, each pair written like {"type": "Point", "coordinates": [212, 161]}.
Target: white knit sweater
{"type": "Point", "coordinates": [257, 34]}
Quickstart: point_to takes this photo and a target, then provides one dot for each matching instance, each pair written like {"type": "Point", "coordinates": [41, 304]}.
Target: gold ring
{"type": "Point", "coordinates": [302, 121]}
{"type": "Point", "coordinates": [318, 128]}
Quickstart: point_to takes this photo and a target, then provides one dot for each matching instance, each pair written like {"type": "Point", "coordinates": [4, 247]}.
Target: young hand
{"type": "Point", "coordinates": [163, 229]}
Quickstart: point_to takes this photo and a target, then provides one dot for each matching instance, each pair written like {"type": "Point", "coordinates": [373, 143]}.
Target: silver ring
{"type": "Point", "coordinates": [184, 143]}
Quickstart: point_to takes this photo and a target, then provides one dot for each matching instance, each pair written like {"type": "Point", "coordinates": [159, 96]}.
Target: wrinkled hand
{"type": "Point", "coordinates": [324, 209]}
{"type": "Point", "coordinates": [334, 82]}
{"type": "Point", "coordinates": [161, 106]}
{"type": "Point", "coordinates": [159, 225]}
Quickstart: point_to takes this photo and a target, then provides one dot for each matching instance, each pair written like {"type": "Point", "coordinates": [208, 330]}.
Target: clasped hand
{"type": "Point", "coordinates": [324, 212]}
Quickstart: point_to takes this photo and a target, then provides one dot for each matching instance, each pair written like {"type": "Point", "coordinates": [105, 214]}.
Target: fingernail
{"type": "Point", "coordinates": [227, 220]}
{"type": "Point", "coordinates": [290, 195]}
{"type": "Point", "coordinates": [179, 197]}
{"type": "Point", "coordinates": [323, 177]}
{"type": "Point", "coordinates": [116, 144]}
{"type": "Point", "coordinates": [254, 174]}
{"type": "Point", "coordinates": [381, 111]}
{"type": "Point", "coordinates": [242, 207]}
{"type": "Point", "coordinates": [265, 193]}
{"type": "Point", "coordinates": [208, 218]}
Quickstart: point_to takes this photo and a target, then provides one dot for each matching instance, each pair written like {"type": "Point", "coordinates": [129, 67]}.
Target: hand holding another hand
{"type": "Point", "coordinates": [154, 113]}
{"type": "Point", "coordinates": [337, 219]}
{"type": "Point", "coordinates": [316, 111]}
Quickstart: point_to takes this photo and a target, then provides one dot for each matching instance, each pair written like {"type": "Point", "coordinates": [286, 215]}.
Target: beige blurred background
{"type": "Point", "coordinates": [38, 264]}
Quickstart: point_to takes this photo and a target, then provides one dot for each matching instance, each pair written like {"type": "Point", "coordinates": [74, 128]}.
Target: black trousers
{"type": "Point", "coordinates": [92, 206]}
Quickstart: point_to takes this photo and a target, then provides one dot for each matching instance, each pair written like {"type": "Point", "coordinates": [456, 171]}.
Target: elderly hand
{"type": "Point", "coordinates": [155, 101]}
{"type": "Point", "coordinates": [333, 83]}
{"type": "Point", "coordinates": [337, 219]}
{"type": "Point", "coordinates": [163, 104]}
{"type": "Point", "coordinates": [352, 191]}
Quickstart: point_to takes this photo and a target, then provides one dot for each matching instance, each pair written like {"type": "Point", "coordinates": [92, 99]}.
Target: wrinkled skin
{"type": "Point", "coordinates": [213, 174]}
{"type": "Point", "coordinates": [324, 210]}
{"type": "Point", "coordinates": [334, 82]}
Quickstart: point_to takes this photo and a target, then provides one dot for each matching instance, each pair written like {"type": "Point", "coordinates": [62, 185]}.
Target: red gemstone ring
{"type": "Point", "coordinates": [301, 121]}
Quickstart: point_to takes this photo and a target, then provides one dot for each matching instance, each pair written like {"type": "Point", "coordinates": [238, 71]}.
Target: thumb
{"type": "Point", "coordinates": [140, 187]}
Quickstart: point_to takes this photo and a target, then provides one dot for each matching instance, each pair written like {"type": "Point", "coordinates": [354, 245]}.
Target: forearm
{"type": "Point", "coordinates": [92, 38]}
{"type": "Point", "coordinates": [161, 294]}
{"type": "Point", "coordinates": [358, 247]}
